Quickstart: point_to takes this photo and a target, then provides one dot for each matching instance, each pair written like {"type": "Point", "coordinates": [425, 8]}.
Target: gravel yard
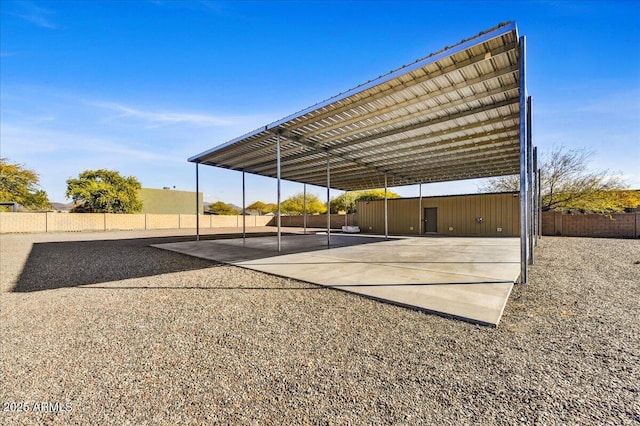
{"type": "Point", "coordinates": [101, 329]}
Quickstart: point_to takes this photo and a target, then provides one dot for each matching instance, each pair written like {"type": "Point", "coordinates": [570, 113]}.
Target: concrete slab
{"type": "Point", "coordinates": [462, 277]}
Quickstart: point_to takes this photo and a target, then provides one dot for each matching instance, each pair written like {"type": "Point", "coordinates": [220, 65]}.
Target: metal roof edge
{"type": "Point", "coordinates": [193, 159]}
{"type": "Point", "coordinates": [481, 37]}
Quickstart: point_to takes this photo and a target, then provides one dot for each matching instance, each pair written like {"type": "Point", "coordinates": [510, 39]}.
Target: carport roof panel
{"type": "Point", "coordinates": [452, 115]}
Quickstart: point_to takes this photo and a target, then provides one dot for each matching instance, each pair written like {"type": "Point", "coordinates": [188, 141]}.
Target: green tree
{"type": "Point", "coordinates": [20, 185]}
{"type": "Point", "coordinates": [104, 191]}
{"type": "Point", "coordinates": [294, 205]}
{"type": "Point", "coordinates": [347, 202]}
{"type": "Point", "coordinates": [222, 208]}
{"type": "Point", "coordinates": [262, 208]}
{"type": "Point", "coordinates": [567, 184]}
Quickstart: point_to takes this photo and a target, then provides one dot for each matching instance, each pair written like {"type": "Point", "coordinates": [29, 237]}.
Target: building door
{"type": "Point", "coordinates": [430, 219]}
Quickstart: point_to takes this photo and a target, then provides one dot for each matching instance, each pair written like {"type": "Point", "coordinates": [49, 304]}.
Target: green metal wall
{"type": "Point", "coordinates": [169, 201]}
{"type": "Point", "coordinates": [456, 215]}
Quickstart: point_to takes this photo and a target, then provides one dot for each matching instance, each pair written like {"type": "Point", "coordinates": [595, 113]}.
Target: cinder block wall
{"type": "Point", "coordinates": [125, 222]}
{"type": "Point", "coordinates": [68, 222]}
{"type": "Point", "coordinates": [77, 222]}
{"type": "Point", "coordinates": [617, 225]}
{"type": "Point", "coordinates": [23, 222]}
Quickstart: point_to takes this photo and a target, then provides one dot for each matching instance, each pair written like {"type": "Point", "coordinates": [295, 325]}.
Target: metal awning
{"type": "Point", "coordinates": [460, 113]}
{"type": "Point", "coordinates": [452, 115]}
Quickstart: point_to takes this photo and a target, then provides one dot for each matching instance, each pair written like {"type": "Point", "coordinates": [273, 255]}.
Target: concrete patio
{"type": "Point", "coordinates": [461, 277]}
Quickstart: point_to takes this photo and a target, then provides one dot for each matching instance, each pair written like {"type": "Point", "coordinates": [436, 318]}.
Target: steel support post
{"type": "Point", "coordinates": [278, 196]}
{"type": "Point", "coordinates": [197, 205]}
{"type": "Point", "coordinates": [530, 211]}
{"type": "Point", "coordinates": [536, 221]}
{"type": "Point", "coordinates": [244, 212]}
{"type": "Point", "coordinates": [523, 167]}
{"type": "Point", "coordinates": [304, 207]}
{"type": "Point", "coordinates": [386, 208]}
{"type": "Point", "coordinates": [328, 201]}
{"type": "Point", "coordinates": [539, 203]}
{"type": "Point", "coordinates": [346, 211]}
{"type": "Point", "coordinates": [420, 209]}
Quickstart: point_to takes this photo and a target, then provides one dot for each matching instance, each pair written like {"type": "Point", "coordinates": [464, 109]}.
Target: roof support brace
{"type": "Point", "coordinates": [278, 173]}
{"type": "Point", "coordinates": [524, 209]}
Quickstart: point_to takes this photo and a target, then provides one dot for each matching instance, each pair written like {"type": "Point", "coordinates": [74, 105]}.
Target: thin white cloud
{"type": "Point", "coordinates": [624, 104]}
{"type": "Point", "coordinates": [215, 8]}
{"type": "Point", "coordinates": [167, 117]}
{"type": "Point", "coordinates": [34, 14]}
{"type": "Point", "coordinates": [30, 142]}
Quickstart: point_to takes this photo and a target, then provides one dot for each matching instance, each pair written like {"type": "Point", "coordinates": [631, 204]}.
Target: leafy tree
{"type": "Point", "coordinates": [294, 205]}
{"type": "Point", "coordinates": [567, 184]}
{"type": "Point", "coordinates": [347, 201]}
{"type": "Point", "coordinates": [104, 191]}
{"type": "Point", "coordinates": [20, 184]}
{"type": "Point", "coordinates": [263, 208]}
{"type": "Point", "coordinates": [223, 208]}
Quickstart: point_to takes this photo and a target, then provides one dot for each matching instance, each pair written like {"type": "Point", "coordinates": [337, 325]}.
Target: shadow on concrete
{"type": "Point", "coordinates": [236, 250]}
{"type": "Point", "coordinates": [75, 263]}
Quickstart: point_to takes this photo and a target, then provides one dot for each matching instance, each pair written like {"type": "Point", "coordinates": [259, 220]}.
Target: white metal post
{"type": "Point", "coordinates": [197, 205]}
{"type": "Point", "coordinates": [328, 201]}
{"type": "Point", "coordinates": [535, 200]}
{"type": "Point", "coordinates": [386, 209]}
{"type": "Point", "coordinates": [244, 211]}
{"type": "Point", "coordinates": [523, 168]}
{"type": "Point", "coordinates": [420, 209]}
{"type": "Point", "coordinates": [304, 207]}
{"type": "Point", "coordinates": [539, 203]}
{"type": "Point", "coordinates": [278, 197]}
{"type": "Point", "coordinates": [530, 210]}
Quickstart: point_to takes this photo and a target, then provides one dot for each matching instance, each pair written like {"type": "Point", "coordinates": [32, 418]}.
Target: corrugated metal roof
{"type": "Point", "coordinates": [450, 116]}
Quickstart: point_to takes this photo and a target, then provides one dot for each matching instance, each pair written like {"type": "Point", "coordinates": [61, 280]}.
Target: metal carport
{"type": "Point", "coordinates": [459, 113]}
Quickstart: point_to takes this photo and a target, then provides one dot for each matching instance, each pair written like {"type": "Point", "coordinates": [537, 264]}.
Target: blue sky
{"type": "Point", "coordinates": [140, 86]}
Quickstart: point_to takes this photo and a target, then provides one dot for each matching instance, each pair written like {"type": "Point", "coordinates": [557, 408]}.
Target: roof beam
{"type": "Point", "coordinates": [424, 164]}
{"type": "Point", "coordinates": [424, 152]}
{"type": "Point", "coordinates": [318, 145]}
{"type": "Point", "coordinates": [428, 96]}
{"type": "Point", "coordinates": [416, 126]}
{"type": "Point", "coordinates": [410, 149]}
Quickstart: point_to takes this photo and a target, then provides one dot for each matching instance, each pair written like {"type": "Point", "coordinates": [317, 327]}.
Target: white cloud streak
{"type": "Point", "coordinates": [29, 142]}
{"type": "Point", "coordinates": [167, 117]}
{"type": "Point", "coordinates": [36, 15]}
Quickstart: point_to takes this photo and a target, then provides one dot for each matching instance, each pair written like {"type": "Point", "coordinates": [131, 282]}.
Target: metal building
{"type": "Point", "coordinates": [455, 215]}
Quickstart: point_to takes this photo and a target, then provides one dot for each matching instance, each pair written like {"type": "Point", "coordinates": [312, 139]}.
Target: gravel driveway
{"type": "Point", "coordinates": [101, 329]}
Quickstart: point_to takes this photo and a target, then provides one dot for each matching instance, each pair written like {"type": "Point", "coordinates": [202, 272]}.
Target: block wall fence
{"type": "Point", "coordinates": [617, 225]}
{"type": "Point", "coordinates": [75, 222]}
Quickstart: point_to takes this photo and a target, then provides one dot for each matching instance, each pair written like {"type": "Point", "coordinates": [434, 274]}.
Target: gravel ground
{"type": "Point", "coordinates": [119, 333]}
